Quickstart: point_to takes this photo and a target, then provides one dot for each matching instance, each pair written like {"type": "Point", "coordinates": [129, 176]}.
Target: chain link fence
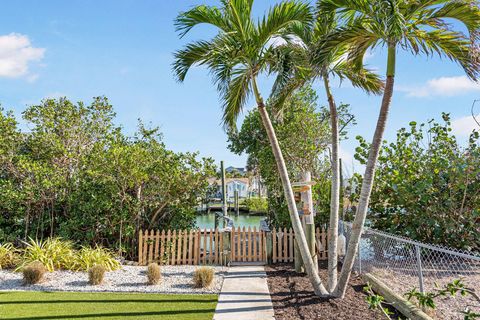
{"type": "Point", "coordinates": [404, 264]}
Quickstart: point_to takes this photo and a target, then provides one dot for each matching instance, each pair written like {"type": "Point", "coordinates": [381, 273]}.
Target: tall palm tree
{"type": "Point", "coordinates": [417, 26]}
{"type": "Point", "coordinates": [239, 52]}
{"type": "Point", "coordinates": [299, 58]}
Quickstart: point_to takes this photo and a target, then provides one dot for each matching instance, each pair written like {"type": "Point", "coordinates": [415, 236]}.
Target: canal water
{"type": "Point", "coordinates": [207, 220]}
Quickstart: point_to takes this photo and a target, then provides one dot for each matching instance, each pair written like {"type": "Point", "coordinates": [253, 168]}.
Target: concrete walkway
{"type": "Point", "coordinates": [245, 295]}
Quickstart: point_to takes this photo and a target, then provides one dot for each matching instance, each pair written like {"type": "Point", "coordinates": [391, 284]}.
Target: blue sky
{"type": "Point", "coordinates": [123, 49]}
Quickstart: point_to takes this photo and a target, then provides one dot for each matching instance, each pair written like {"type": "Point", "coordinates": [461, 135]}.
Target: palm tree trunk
{"type": "Point", "coordinates": [358, 223]}
{"type": "Point", "coordinates": [292, 209]}
{"type": "Point", "coordinates": [335, 191]}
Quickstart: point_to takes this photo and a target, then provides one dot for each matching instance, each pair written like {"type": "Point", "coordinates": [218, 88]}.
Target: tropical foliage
{"type": "Point", "coordinates": [427, 186]}
{"type": "Point", "coordinates": [76, 175]}
{"type": "Point", "coordinates": [303, 132]}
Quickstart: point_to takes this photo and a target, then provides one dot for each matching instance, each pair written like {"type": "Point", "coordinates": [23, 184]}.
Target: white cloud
{"type": "Point", "coordinates": [463, 126]}
{"type": "Point", "coordinates": [16, 54]}
{"type": "Point", "coordinates": [443, 86]}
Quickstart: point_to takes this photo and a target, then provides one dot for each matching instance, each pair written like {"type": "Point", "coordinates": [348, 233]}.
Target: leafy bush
{"type": "Point", "coordinates": [96, 274]}
{"type": "Point", "coordinates": [53, 253]}
{"type": "Point", "coordinates": [257, 204]}
{"type": "Point", "coordinates": [154, 274]}
{"type": "Point", "coordinates": [426, 185]}
{"type": "Point", "coordinates": [33, 273]}
{"type": "Point", "coordinates": [87, 257]}
{"type": "Point", "coordinates": [203, 277]}
{"type": "Point", "coordinates": [8, 256]}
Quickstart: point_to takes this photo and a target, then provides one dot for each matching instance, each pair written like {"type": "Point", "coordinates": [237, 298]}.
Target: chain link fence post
{"type": "Point", "coordinates": [419, 269]}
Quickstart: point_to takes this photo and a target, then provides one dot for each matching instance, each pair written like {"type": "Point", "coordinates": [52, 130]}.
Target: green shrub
{"type": "Point", "coordinates": [154, 274]}
{"type": "Point", "coordinates": [87, 257]}
{"type": "Point", "coordinates": [203, 277]}
{"type": "Point", "coordinates": [8, 256]}
{"type": "Point", "coordinates": [257, 204]}
{"type": "Point", "coordinates": [96, 274]}
{"type": "Point", "coordinates": [33, 273]}
{"type": "Point", "coordinates": [53, 253]}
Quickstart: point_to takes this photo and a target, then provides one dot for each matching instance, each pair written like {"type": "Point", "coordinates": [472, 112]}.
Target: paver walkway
{"type": "Point", "coordinates": [245, 295]}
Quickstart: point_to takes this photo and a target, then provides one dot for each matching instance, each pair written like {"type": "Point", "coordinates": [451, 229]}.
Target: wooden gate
{"type": "Point", "coordinates": [248, 245]}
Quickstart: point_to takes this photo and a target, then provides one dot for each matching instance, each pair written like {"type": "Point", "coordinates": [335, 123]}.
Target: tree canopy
{"type": "Point", "coordinates": [77, 175]}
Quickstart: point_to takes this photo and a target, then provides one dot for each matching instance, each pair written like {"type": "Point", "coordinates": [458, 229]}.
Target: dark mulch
{"type": "Point", "coordinates": [293, 297]}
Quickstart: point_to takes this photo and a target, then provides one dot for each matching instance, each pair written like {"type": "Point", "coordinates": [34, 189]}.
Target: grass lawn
{"type": "Point", "coordinates": [73, 305]}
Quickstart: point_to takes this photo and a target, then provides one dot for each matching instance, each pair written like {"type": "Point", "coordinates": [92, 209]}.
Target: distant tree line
{"type": "Point", "coordinates": [76, 175]}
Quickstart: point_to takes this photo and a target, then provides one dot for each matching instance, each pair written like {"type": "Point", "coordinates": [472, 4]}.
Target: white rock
{"type": "Point", "coordinates": [175, 279]}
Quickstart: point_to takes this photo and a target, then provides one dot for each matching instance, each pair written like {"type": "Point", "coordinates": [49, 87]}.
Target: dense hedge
{"type": "Point", "coordinates": [75, 174]}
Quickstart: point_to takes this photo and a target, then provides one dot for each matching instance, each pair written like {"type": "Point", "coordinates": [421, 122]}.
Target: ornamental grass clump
{"type": "Point", "coordinates": [33, 273]}
{"type": "Point", "coordinates": [154, 274]}
{"type": "Point", "coordinates": [9, 257]}
{"type": "Point", "coordinates": [96, 274]}
{"type": "Point", "coordinates": [53, 253]}
{"type": "Point", "coordinates": [87, 257]}
{"type": "Point", "coordinates": [203, 277]}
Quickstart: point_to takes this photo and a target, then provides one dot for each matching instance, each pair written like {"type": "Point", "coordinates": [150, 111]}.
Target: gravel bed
{"type": "Point", "coordinates": [447, 307]}
{"type": "Point", "coordinates": [175, 279]}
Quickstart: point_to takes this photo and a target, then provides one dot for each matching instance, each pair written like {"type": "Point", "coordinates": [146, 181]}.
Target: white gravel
{"type": "Point", "coordinates": [175, 279]}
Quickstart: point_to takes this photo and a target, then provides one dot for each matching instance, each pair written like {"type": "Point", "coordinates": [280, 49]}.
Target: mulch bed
{"type": "Point", "coordinates": [293, 297]}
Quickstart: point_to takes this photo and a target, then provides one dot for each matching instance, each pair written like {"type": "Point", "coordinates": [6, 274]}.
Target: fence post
{"type": "Point", "coordinates": [269, 247]}
{"type": "Point", "coordinates": [419, 268]}
{"type": "Point", "coordinates": [227, 247]}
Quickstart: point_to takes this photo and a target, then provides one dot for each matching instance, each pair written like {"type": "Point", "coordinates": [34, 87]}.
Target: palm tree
{"type": "Point", "coordinates": [417, 26]}
{"type": "Point", "coordinates": [299, 58]}
{"type": "Point", "coordinates": [239, 52]}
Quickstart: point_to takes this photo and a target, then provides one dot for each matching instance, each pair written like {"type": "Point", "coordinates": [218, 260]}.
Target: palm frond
{"type": "Point", "coordinates": [362, 77]}
{"type": "Point", "coordinates": [193, 53]}
{"type": "Point", "coordinates": [453, 45]}
{"type": "Point", "coordinates": [185, 21]}
{"type": "Point", "coordinates": [282, 15]}
{"type": "Point", "coordinates": [235, 96]}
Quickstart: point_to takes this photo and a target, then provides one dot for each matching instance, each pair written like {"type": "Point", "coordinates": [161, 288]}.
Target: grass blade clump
{"type": "Point", "coordinates": [53, 253]}
{"type": "Point", "coordinates": [154, 274]}
{"type": "Point", "coordinates": [96, 274]}
{"type": "Point", "coordinates": [203, 277]}
{"type": "Point", "coordinates": [9, 257]}
{"type": "Point", "coordinates": [33, 273]}
{"type": "Point", "coordinates": [88, 257]}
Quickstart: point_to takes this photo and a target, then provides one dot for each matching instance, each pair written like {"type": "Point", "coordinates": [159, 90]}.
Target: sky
{"type": "Point", "coordinates": [123, 49]}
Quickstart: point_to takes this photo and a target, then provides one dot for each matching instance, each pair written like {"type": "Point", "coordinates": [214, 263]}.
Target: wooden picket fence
{"type": "Point", "coordinates": [283, 242]}
{"type": "Point", "coordinates": [180, 247]}
{"type": "Point", "coordinates": [195, 247]}
{"type": "Point", "coordinates": [248, 245]}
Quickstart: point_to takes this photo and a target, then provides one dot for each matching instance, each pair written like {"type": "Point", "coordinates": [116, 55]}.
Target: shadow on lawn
{"type": "Point", "coordinates": [119, 315]}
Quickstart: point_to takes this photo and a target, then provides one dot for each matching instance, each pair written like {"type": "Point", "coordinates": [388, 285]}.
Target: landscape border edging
{"type": "Point", "coordinates": [404, 306]}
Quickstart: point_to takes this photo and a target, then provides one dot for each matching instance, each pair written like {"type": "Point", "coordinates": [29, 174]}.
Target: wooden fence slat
{"type": "Point", "coordinates": [290, 245]}
{"type": "Point", "coordinates": [197, 248]}
{"type": "Point", "coordinates": [179, 247]}
{"type": "Point", "coordinates": [210, 247]}
{"type": "Point", "coordinates": [216, 249]}
{"type": "Point", "coordinates": [274, 245]}
{"type": "Point", "coordinates": [204, 260]}
{"type": "Point", "coordinates": [244, 244]}
{"type": "Point", "coordinates": [190, 248]}
{"type": "Point", "coordinates": [174, 247]}
{"type": "Point", "coordinates": [156, 254]}
{"type": "Point", "coordinates": [140, 245]}
{"type": "Point", "coordinates": [145, 247]}
{"type": "Point", "coordinates": [254, 243]}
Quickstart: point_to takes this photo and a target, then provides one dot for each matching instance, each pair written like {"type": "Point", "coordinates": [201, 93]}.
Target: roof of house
{"type": "Point", "coordinates": [228, 180]}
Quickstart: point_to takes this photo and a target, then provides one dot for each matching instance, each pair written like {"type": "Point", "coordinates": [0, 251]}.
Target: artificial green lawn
{"type": "Point", "coordinates": [75, 305]}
